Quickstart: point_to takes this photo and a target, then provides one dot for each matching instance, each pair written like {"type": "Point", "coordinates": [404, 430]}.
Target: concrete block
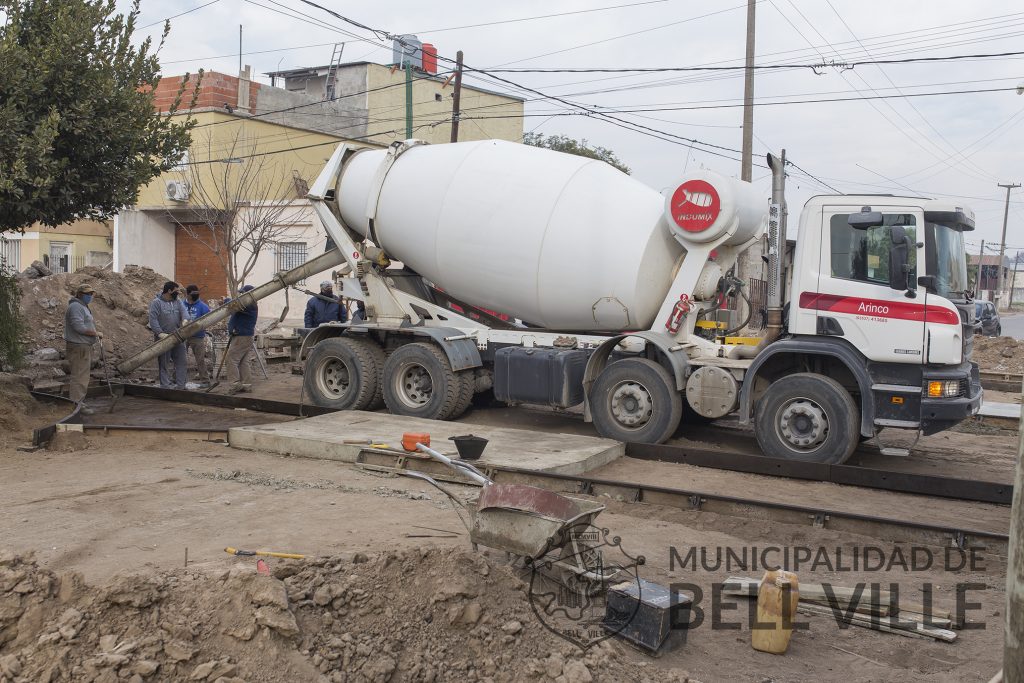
{"type": "Point", "coordinates": [324, 437]}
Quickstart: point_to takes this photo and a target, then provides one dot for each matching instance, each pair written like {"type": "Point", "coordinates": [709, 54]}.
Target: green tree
{"type": "Point", "coordinates": [78, 135]}
{"type": "Point", "coordinates": [562, 143]}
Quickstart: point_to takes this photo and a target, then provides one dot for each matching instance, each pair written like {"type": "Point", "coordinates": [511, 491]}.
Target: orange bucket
{"type": "Point", "coordinates": [410, 439]}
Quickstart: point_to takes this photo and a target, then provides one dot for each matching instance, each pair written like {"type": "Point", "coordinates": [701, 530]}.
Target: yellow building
{"type": "Point", "coordinates": [63, 249]}
{"type": "Point", "coordinates": [381, 91]}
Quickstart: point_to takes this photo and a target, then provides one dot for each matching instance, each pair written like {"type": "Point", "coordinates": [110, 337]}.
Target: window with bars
{"type": "Point", "coordinates": [291, 255]}
{"type": "Point", "coordinates": [10, 254]}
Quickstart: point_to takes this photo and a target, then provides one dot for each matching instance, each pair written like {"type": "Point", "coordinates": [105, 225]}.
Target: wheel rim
{"type": "Point", "coordinates": [803, 424]}
{"type": "Point", "coordinates": [631, 404]}
{"type": "Point", "coordinates": [334, 378]}
{"type": "Point", "coordinates": [413, 385]}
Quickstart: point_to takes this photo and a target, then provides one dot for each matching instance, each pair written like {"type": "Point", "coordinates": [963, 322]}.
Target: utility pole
{"type": "Point", "coordinates": [239, 48]}
{"type": "Point", "coordinates": [456, 96]}
{"type": "Point", "coordinates": [746, 163]}
{"type": "Point", "coordinates": [1013, 278]}
{"type": "Point", "coordinates": [408, 99]}
{"type": "Point", "coordinates": [1013, 633]}
{"type": "Point", "coordinates": [1002, 244]}
{"type": "Point", "coordinates": [981, 268]}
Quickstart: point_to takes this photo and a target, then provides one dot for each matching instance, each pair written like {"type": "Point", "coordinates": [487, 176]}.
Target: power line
{"type": "Point", "coordinates": [542, 16]}
{"type": "Point", "coordinates": [175, 16]}
{"type": "Point", "coordinates": [821, 65]}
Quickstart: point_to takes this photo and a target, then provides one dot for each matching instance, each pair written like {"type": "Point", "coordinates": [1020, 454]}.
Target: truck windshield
{"type": "Point", "coordinates": [947, 260]}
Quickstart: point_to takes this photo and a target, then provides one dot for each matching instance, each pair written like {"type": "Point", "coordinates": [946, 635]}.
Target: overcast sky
{"type": "Point", "coordinates": [944, 145]}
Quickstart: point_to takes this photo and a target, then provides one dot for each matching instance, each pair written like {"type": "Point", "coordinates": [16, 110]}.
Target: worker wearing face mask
{"type": "Point", "coordinates": [166, 314]}
{"type": "Point", "coordinates": [80, 334]}
{"type": "Point", "coordinates": [197, 308]}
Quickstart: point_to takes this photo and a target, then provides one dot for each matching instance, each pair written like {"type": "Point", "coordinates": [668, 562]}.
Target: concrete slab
{"type": "Point", "coordinates": [1004, 410]}
{"type": "Point", "coordinates": [324, 437]}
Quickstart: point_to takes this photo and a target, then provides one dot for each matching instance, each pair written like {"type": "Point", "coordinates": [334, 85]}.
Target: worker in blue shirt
{"type": "Point", "coordinates": [241, 328]}
{"type": "Point", "coordinates": [325, 307]}
{"type": "Point", "coordinates": [197, 308]}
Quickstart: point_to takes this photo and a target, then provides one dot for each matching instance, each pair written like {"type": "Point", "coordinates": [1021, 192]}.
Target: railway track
{"type": "Point", "coordinates": [884, 528]}
{"type": "Point", "coordinates": [743, 457]}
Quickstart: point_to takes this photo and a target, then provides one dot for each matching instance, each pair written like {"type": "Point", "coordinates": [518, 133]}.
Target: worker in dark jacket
{"type": "Point", "coordinates": [325, 308]}
{"type": "Point", "coordinates": [166, 314]}
{"type": "Point", "coordinates": [241, 327]}
{"type": "Point", "coordinates": [197, 308]}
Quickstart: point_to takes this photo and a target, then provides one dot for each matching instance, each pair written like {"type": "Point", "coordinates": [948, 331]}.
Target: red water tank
{"type": "Point", "coordinates": [429, 58]}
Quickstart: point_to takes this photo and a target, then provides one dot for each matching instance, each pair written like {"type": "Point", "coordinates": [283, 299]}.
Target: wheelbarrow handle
{"type": "Point", "coordinates": [472, 474]}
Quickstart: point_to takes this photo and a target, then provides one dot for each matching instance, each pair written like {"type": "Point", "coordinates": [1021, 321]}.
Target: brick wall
{"type": "Point", "coordinates": [195, 264]}
{"type": "Point", "coordinates": [216, 90]}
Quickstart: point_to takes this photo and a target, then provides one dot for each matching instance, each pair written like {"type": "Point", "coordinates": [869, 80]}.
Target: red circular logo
{"type": "Point", "coordinates": [695, 205]}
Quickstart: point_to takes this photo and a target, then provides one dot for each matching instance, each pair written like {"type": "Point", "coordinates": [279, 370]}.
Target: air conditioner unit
{"type": "Point", "coordinates": [177, 190]}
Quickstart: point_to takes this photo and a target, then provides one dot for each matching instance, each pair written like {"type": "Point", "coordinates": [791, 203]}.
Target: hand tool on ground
{"type": "Point", "coordinates": [224, 357]}
{"type": "Point", "coordinates": [114, 396]}
{"type": "Point", "coordinates": [263, 553]}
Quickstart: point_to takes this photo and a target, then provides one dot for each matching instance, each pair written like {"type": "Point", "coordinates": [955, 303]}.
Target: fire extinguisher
{"type": "Point", "coordinates": [679, 311]}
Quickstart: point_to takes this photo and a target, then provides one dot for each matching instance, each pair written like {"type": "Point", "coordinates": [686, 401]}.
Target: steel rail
{"type": "Point", "coordinates": [875, 526]}
{"type": "Point", "coordinates": [847, 475]}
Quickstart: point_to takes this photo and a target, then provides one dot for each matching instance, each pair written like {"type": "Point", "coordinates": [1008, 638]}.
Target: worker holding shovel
{"type": "Point", "coordinates": [241, 327]}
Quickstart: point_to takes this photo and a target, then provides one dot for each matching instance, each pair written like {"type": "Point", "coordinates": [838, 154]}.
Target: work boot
{"type": "Point", "coordinates": [86, 410]}
{"type": "Point", "coordinates": [245, 389]}
{"type": "Point", "coordinates": [234, 389]}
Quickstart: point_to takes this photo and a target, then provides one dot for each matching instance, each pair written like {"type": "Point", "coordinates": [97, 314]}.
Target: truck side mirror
{"type": "Point", "coordinates": [899, 258]}
{"type": "Point", "coordinates": [865, 219]}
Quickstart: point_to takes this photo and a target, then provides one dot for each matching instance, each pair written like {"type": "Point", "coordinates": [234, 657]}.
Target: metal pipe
{"type": "Point", "coordinates": [472, 474]}
{"type": "Point", "coordinates": [776, 240]}
{"type": "Point", "coordinates": [281, 281]}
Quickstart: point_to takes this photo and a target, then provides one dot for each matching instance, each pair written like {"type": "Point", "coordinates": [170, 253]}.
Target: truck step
{"type": "Point", "coordinates": [896, 451]}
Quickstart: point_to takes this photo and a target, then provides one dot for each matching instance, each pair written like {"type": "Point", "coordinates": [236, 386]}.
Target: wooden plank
{"type": "Point", "coordinates": [912, 629]}
{"type": "Point", "coordinates": [842, 597]}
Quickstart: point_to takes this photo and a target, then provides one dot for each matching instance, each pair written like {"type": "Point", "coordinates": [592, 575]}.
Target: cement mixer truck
{"type": "Point", "coordinates": [612, 290]}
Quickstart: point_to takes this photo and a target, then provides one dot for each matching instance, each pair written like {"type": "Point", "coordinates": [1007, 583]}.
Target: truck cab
{"type": "Point", "coordinates": [880, 295]}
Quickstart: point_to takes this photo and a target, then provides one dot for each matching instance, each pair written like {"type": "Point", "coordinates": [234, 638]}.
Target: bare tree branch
{"type": "Point", "coordinates": [241, 204]}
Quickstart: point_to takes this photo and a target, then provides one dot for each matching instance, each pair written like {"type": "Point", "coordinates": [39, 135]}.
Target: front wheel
{"type": "Point", "coordinates": [635, 400]}
{"type": "Point", "coordinates": [807, 417]}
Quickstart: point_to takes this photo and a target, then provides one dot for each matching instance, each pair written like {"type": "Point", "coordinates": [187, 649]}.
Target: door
{"type": "Point", "coordinates": [60, 257]}
{"type": "Point", "coordinates": [854, 300]}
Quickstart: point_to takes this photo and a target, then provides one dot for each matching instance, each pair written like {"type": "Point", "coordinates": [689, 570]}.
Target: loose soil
{"type": "Point", "coordinates": [123, 511]}
{"type": "Point", "coordinates": [999, 354]}
{"type": "Point", "coordinates": [20, 413]}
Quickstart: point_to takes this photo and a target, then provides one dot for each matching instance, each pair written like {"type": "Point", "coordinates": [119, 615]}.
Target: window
{"type": "Point", "coordinates": [291, 255]}
{"type": "Point", "coordinates": [10, 255]}
{"type": "Point", "coordinates": [864, 254]}
{"type": "Point", "coordinates": [100, 259]}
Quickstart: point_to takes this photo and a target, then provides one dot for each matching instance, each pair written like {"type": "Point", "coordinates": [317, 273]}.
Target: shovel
{"type": "Point", "coordinates": [115, 396]}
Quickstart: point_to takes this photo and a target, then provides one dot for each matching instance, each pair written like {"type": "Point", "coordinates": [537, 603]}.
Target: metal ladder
{"type": "Point", "coordinates": [332, 71]}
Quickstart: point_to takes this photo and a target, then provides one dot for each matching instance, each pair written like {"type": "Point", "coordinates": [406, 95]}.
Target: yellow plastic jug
{"type": "Point", "coordinates": [777, 599]}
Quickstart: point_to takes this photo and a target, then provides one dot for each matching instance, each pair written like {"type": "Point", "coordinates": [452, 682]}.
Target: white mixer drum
{"type": "Point", "coordinates": [557, 240]}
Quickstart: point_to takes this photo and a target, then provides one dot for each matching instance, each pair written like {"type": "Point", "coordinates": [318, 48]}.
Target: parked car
{"type": "Point", "coordinates": [988, 317]}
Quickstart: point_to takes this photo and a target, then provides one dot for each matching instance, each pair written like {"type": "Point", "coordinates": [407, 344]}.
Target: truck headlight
{"type": "Point", "coordinates": [944, 389]}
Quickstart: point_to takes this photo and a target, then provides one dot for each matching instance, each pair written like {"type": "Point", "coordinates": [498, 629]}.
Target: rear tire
{"type": "Point", "coordinates": [379, 358]}
{"type": "Point", "coordinates": [341, 374]}
{"type": "Point", "coordinates": [466, 392]}
{"type": "Point", "coordinates": [635, 400]}
{"type": "Point", "coordinates": [809, 418]}
{"type": "Point", "coordinates": [419, 382]}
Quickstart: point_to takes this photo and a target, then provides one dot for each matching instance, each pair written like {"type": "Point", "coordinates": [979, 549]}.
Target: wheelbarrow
{"type": "Point", "coordinates": [545, 529]}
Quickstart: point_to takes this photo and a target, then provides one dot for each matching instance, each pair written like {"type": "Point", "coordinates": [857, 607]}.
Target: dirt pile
{"type": "Point", "coordinates": [419, 615]}
{"type": "Point", "coordinates": [999, 354]}
{"type": "Point", "coordinates": [120, 306]}
{"type": "Point", "coordinates": [19, 412]}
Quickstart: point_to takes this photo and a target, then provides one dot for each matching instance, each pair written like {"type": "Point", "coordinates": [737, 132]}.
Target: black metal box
{"type": "Point", "coordinates": [548, 377]}
{"type": "Point", "coordinates": [646, 613]}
